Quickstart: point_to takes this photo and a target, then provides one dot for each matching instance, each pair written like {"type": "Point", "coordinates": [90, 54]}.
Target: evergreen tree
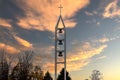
{"type": "Point", "coordinates": [61, 75]}
{"type": "Point", "coordinates": [47, 76]}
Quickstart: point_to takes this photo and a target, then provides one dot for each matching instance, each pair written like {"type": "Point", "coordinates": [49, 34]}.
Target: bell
{"type": "Point", "coordinates": [60, 54]}
{"type": "Point", "coordinates": [60, 42]}
{"type": "Point", "coordinates": [60, 30]}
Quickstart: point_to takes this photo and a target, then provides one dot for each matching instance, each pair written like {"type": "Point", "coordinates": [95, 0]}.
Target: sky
{"type": "Point", "coordinates": [92, 27]}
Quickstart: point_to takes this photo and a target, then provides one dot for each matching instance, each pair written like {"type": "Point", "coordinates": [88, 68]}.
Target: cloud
{"type": "Point", "coordinates": [101, 57]}
{"type": "Point", "coordinates": [104, 40]}
{"type": "Point", "coordinates": [85, 53]}
{"type": "Point", "coordinates": [9, 48]}
{"type": "Point", "coordinates": [81, 54]}
{"type": "Point", "coordinates": [5, 23]}
{"type": "Point", "coordinates": [47, 49]}
{"type": "Point", "coordinates": [91, 13]}
{"type": "Point", "coordinates": [44, 56]}
{"type": "Point", "coordinates": [112, 10]}
{"type": "Point", "coordinates": [98, 23]}
{"type": "Point", "coordinates": [23, 42]}
{"type": "Point", "coordinates": [43, 14]}
{"type": "Point", "coordinates": [78, 57]}
{"type": "Point", "coordinates": [88, 13]}
{"type": "Point", "coordinates": [49, 66]}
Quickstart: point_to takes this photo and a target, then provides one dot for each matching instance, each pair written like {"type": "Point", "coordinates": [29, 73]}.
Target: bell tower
{"type": "Point", "coordinates": [60, 44]}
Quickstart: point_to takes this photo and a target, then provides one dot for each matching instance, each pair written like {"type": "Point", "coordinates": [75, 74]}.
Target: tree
{"type": "Point", "coordinates": [61, 75]}
{"type": "Point", "coordinates": [4, 66]}
{"type": "Point", "coordinates": [37, 74]}
{"type": "Point", "coordinates": [47, 76]}
{"type": "Point", "coordinates": [96, 75]}
{"type": "Point", "coordinates": [22, 69]}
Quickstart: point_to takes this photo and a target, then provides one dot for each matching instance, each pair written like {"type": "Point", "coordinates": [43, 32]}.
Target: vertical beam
{"type": "Point", "coordinates": [56, 48]}
{"type": "Point", "coordinates": [64, 49]}
{"type": "Point", "coordinates": [56, 52]}
{"type": "Point", "coordinates": [65, 55]}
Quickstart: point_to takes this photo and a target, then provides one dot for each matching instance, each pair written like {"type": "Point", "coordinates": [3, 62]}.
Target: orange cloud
{"type": "Point", "coordinates": [5, 23]}
{"type": "Point", "coordinates": [78, 57]}
{"type": "Point", "coordinates": [77, 60]}
{"type": "Point", "coordinates": [23, 42]}
{"type": "Point", "coordinates": [43, 14]}
{"type": "Point", "coordinates": [49, 66]}
{"type": "Point", "coordinates": [85, 54]}
{"type": "Point", "coordinates": [8, 48]}
{"type": "Point", "coordinates": [81, 55]}
{"type": "Point", "coordinates": [112, 10]}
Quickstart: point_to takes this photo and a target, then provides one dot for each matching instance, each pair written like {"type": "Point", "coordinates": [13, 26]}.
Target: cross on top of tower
{"type": "Point", "coordinates": [60, 7]}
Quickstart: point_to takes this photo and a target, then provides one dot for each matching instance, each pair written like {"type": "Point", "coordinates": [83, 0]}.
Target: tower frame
{"type": "Point", "coordinates": [63, 46]}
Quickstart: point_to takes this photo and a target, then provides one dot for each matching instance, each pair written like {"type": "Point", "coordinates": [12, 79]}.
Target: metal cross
{"type": "Point", "coordinates": [60, 8]}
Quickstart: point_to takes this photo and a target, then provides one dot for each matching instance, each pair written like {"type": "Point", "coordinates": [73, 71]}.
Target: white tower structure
{"type": "Point", "coordinates": [60, 45]}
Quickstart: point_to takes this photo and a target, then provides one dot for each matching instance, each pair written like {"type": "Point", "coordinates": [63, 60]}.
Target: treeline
{"type": "Point", "coordinates": [23, 68]}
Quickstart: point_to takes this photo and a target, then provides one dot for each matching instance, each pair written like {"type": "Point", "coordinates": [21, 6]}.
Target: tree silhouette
{"type": "Point", "coordinates": [47, 76]}
{"type": "Point", "coordinates": [38, 73]}
{"type": "Point", "coordinates": [96, 75]}
{"type": "Point", "coordinates": [22, 69]}
{"type": "Point", "coordinates": [16, 72]}
{"type": "Point", "coordinates": [4, 66]}
{"type": "Point", "coordinates": [61, 75]}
